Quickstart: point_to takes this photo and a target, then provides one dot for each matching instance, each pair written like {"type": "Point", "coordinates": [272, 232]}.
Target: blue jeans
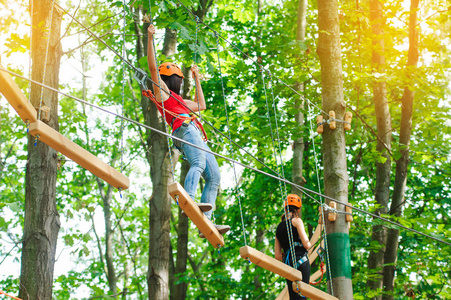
{"type": "Point", "coordinates": [201, 164]}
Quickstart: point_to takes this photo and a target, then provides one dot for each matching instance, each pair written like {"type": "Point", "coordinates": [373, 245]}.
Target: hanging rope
{"type": "Point", "coordinates": [230, 139]}
{"type": "Point", "coordinates": [322, 274]}
{"type": "Point", "coordinates": [283, 190]}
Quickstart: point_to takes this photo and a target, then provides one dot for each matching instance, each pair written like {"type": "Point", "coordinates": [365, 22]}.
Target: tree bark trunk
{"type": "Point", "coordinates": [161, 176]}
{"type": "Point", "coordinates": [396, 206]}
{"type": "Point", "coordinates": [298, 144]}
{"type": "Point", "coordinates": [383, 118]}
{"type": "Point", "coordinates": [109, 258]}
{"type": "Point", "coordinates": [178, 291]}
{"type": "Point", "coordinates": [334, 152]}
{"type": "Point", "coordinates": [41, 220]}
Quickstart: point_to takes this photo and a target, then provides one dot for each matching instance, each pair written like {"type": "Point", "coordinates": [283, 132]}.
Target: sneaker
{"type": "Point", "coordinates": [203, 207]}
{"type": "Point", "coordinates": [221, 229]}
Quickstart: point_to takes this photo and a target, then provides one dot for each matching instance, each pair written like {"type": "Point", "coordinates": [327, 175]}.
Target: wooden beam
{"type": "Point", "coordinates": [314, 255]}
{"type": "Point", "coordinates": [84, 158]}
{"type": "Point", "coordinates": [269, 263]}
{"type": "Point", "coordinates": [278, 267]}
{"type": "Point", "coordinates": [284, 295]}
{"type": "Point", "coordinates": [315, 237]}
{"type": "Point", "coordinates": [193, 212]}
{"type": "Point", "coordinates": [311, 292]}
{"type": "Point", "coordinates": [16, 98]}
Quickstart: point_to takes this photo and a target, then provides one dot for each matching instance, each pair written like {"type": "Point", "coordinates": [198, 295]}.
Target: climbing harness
{"type": "Point", "coordinates": [297, 262]}
{"type": "Point", "coordinates": [185, 117]}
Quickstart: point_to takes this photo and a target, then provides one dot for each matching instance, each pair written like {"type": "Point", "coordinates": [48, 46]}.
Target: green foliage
{"type": "Point", "coordinates": [241, 101]}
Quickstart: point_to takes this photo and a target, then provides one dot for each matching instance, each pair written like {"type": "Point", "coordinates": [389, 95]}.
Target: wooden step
{"type": "Point", "coordinates": [84, 158]}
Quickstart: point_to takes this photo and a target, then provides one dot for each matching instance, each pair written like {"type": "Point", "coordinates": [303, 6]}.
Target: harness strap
{"type": "Point", "coordinates": [185, 117]}
{"type": "Point", "coordinates": [300, 261]}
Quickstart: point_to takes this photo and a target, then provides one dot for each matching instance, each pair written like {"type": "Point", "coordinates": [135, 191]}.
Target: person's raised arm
{"type": "Point", "coordinates": [194, 105]}
{"type": "Point", "coordinates": [151, 61]}
{"type": "Point", "coordinates": [297, 222]}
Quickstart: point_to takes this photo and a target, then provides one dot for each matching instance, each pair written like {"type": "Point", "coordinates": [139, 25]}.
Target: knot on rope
{"type": "Point", "coordinates": [322, 275]}
{"type": "Point", "coordinates": [149, 94]}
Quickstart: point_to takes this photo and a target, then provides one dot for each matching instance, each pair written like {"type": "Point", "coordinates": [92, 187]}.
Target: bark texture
{"type": "Point", "coordinates": [178, 290]}
{"type": "Point", "coordinates": [41, 221]}
{"type": "Point", "coordinates": [383, 118]}
{"type": "Point", "coordinates": [397, 204]}
{"type": "Point", "coordinates": [298, 144]}
{"type": "Point", "coordinates": [334, 152]}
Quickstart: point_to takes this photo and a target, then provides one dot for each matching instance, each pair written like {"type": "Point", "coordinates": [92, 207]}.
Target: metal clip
{"type": "Point", "coordinates": [320, 252]}
{"type": "Point", "coordinates": [141, 77]}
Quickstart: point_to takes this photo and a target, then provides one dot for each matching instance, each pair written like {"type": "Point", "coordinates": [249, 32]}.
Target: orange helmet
{"type": "Point", "coordinates": [169, 69]}
{"type": "Point", "coordinates": [293, 199]}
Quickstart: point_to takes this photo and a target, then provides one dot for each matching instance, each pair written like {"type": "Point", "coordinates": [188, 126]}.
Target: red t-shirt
{"type": "Point", "coordinates": [176, 107]}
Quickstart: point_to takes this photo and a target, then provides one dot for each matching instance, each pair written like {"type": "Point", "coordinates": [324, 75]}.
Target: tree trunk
{"type": "Point", "coordinates": [298, 144]}
{"type": "Point", "coordinates": [161, 176]}
{"type": "Point", "coordinates": [334, 152]}
{"type": "Point", "coordinates": [41, 220]}
{"type": "Point", "coordinates": [178, 291]}
{"type": "Point", "coordinates": [382, 192]}
{"type": "Point", "coordinates": [396, 207]}
{"type": "Point", "coordinates": [109, 258]}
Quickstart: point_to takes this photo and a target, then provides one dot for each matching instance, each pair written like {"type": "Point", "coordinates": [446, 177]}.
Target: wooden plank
{"type": "Point", "coordinates": [16, 98]}
{"type": "Point", "coordinates": [193, 212]}
{"type": "Point", "coordinates": [311, 292]}
{"type": "Point", "coordinates": [84, 158]}
{"type": "Point", "coordinates": [269, 263]}
{"type": "Point", "coordinates": [315, 237]}
{"type": "Point", "coordinates": [315, 253]}
{"type": "Point", "coordinates": [284, 295]}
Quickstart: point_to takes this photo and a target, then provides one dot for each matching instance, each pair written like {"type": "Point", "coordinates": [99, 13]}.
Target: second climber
{"type": "Point", "coordinates": [292, 226]}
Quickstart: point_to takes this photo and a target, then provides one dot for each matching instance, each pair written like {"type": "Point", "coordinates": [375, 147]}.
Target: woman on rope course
{"type": "Point", "coordinates": [176, 113]}
{"type": "Point", "coordinates": [301, 242]}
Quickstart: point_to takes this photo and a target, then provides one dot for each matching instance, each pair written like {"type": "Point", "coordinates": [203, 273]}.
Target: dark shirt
{"type": "Point", "coordinates": [282, 236]}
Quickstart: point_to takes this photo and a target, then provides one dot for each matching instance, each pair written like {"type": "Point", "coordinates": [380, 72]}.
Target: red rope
{"type": "Point", "coordinates": [322, 274]}
{"type": "Point", "coordinates": [2, 292]}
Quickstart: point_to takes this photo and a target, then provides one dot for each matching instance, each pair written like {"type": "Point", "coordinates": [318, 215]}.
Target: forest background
{"type": "Point", "coordinates": [104, 245]}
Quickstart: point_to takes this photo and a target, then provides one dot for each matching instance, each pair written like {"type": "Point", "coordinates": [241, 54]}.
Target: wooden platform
{"type": "Point", "coordinates": [193, 212]}
{"type": "Point", "coordinates": [84, 158]}
{"type": "Point", "coordinates": [16, 98]}
{"type": "Point", "coordinates": [273, 265]}
{"type": "Point", "coordinates": [269, 263]}
{"type": "Point", "coordinates": [312, 292]}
